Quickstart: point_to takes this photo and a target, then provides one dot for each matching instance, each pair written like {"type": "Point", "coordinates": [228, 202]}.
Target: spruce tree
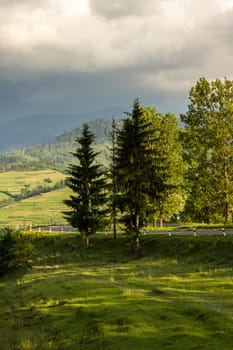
{"type": "Point", "coordinates": [131, 170]}
{"type": "Point", "coordinates": [88, 183]}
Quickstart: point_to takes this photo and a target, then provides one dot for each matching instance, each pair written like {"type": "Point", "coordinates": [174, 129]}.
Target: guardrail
{"type": "Point", "coordinates": [193, 232]}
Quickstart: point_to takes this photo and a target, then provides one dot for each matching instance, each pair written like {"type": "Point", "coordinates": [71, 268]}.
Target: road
{"type": "Point", "coordinates": [219, 231]}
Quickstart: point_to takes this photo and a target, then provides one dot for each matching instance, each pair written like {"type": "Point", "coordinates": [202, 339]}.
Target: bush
{"type": "Point", "coordinates": [16, 251]}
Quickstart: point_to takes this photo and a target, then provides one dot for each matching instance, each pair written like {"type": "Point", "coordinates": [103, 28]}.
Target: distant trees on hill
{"type": "Point", "coordinates": [57, 153]}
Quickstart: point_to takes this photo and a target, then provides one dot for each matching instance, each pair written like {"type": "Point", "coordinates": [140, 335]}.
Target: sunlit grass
{"type": "Point", "coordinates": [45, 209]}
{"type": "Point", "coordinates": [110, 298]}
{"type": "Point", "coordinates": [14, 181]}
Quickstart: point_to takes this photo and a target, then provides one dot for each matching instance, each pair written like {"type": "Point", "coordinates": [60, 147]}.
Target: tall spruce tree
{"type": "Point", "coordinates": [88, 183]}
{"type": "Point", "coordinates": [131, 170]}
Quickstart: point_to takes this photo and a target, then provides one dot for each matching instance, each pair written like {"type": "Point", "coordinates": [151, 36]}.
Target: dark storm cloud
{"type": "Point", "coordinates": [34, 3]}
{"type": "Point", "coordinates": [120, 8]}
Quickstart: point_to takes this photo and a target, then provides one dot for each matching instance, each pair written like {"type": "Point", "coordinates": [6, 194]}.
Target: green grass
{"type": "Point", "coordinates": [44, 209]}
{"type": "Point", "coordinates": [14, 181]}
{"type": "Point", "coordinates": [175, 294]}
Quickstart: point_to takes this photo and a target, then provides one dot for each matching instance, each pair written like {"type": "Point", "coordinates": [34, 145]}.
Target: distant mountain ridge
{"type": "Point", "coordinates": [56, 154]}
{"type": "Point", "coordinates": [42, 128]}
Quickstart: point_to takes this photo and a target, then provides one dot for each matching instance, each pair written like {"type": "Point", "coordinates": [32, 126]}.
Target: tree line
{"type": "Point", "coordinates": [158, 169]}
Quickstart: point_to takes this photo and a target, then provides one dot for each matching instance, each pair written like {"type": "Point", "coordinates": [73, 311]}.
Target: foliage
{"type": "Point", "coordinates": [208, 146]}
{"type": "Point", "coordinates": [149, 167]}
{"type": "Point", "coordinates": [131, 169]}
{"type": "Point", "coordinates": [87, 181]}
{"type": "Point", "coordinates": [166, 166]}
{"type": "Point", "coordinates": [16, 251]}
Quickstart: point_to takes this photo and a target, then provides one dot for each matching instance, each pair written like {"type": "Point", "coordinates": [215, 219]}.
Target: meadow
{"type": "Point", "coordinates": [43, 209]}
{"type": "Point", "coordinates": [14, 181]}
{"type": "Point", "coordinates": [176, 293]}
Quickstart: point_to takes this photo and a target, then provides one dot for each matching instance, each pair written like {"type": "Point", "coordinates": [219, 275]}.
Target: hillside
{"type": "Point", "coordinates": [56, 154]}
{"type": "Point", "coordinates": [31, 197]}
{"type": "Point", "coordinates": [42, 128]}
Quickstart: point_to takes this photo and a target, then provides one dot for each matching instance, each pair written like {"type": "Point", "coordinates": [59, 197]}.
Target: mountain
{"type": "Point", "coordinates": [56, 154]}
{"type": "Point", "coordinates": [42, 128]}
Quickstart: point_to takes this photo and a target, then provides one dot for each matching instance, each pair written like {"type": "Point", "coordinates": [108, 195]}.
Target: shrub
{"type": "Point", "coordinates": [16, 250]}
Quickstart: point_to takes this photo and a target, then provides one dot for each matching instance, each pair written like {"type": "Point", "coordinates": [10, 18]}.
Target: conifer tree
{"type": "Point", "coordinates": [88, 183]}
{"type": "Point", "coordinates": [131, 170]}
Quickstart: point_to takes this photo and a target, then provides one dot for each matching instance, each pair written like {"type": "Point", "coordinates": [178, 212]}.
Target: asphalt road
{"type": "Point", "coordinates": [222, 231]}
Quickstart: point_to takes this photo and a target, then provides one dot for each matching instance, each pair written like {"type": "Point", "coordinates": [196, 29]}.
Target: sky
{"type": "Point", "coordinates": [76, 56]}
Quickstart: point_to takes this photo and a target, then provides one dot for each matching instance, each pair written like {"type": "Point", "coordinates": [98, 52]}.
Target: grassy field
{"type": "Point", "coordinates": [44, 209]}
{"type": "Point", "coordinates": [14, 181]}
{"type": "Point", "coordinates": [175, 294]}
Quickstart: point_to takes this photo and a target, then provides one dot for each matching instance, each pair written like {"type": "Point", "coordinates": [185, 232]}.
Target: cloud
{"type": "Point", "coordinates": [158, 49]}
{"type": "Point", "coordinates": [120, 8]}
{"type": "Point", "coordinates": [50, 37]}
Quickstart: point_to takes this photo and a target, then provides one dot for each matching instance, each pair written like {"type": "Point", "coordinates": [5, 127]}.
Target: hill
{"type": "Point", "coordinates": [56, 153]}
{"type": "Point", "coordinates": [42, 128]}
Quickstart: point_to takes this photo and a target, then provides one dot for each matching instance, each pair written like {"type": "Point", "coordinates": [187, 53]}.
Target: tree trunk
{"type": "Point", "coordinates": [161, 220]}
{"type": "Point", "coordinates": [137, 244]}
{"type": "Point", "coordinates": [137, 223]}
{"type": "Point", "coordinates": [227, 211]}
{"type": "Point", "coordinates": [87, 241]}
{"type": "Point", "coordinates": [114, 228]}
{"type": "Point", "coordinates": [227, 187]}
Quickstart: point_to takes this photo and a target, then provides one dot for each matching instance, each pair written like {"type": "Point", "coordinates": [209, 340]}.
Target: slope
{"type": "Point", "coordinates": [57, 153]}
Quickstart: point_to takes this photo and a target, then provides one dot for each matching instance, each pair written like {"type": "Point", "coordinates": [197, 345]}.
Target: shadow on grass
{"type": "Point", "coordinates": [109, 298]}
{"type": "Point", "coordinates": [132, 323]}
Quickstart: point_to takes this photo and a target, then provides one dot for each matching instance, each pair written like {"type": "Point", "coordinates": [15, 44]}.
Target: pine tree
{"type": "Point", "coordinates": [131, 170]}
{"type": "Point", "coordinates": [88, 183]}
